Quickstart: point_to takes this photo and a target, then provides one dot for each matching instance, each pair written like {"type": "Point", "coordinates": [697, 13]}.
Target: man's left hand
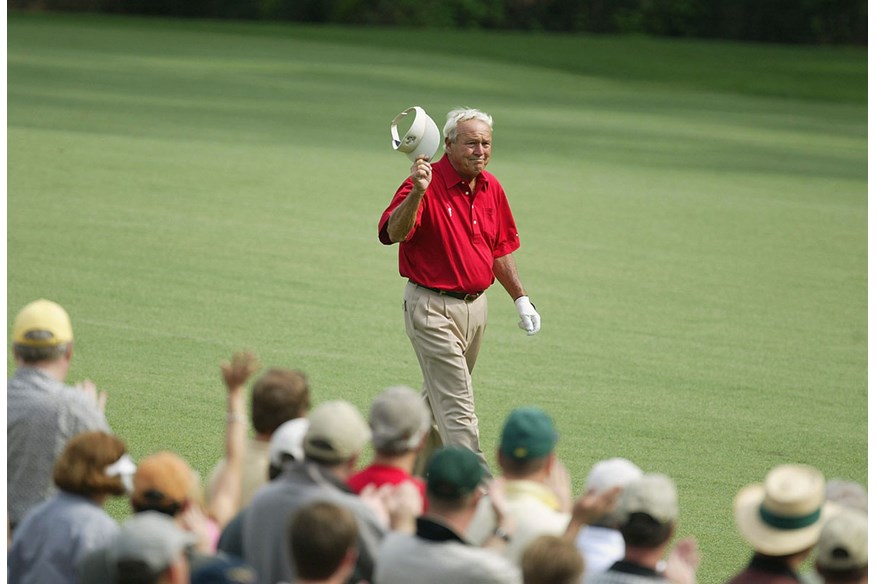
{"type": "Point", "coordinates": [530, 321]}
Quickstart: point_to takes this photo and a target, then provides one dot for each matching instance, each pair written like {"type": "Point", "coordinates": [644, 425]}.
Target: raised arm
{"type": "Point", "coordinates": [402, 219]}
{"type": "Point", "coordinates": [226, 497]}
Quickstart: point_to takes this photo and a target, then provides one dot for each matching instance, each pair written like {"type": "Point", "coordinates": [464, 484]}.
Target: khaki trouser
{"type": "Point", "coordinates": [446, 335]}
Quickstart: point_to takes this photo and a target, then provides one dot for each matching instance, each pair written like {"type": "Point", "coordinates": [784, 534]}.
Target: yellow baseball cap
{"type": "Point", "coordinates": [42, 323]}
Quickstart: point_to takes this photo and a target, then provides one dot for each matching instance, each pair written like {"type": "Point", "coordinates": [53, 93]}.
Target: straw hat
{"type": "Point", "coordinates": [784, 514]}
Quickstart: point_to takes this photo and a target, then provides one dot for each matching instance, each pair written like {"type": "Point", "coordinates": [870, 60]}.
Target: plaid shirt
{"type": "Point", "coordinates": [42, 414]}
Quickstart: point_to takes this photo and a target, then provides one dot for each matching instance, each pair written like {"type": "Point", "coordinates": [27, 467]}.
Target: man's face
{"type": "Point", "coordinates": [470, 152]}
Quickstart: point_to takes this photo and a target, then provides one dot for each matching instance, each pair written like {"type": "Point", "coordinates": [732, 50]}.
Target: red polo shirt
{"type": "Point", "coordinates": [379, 475]}
{"type": "Point", "coordinates": [457, 233]}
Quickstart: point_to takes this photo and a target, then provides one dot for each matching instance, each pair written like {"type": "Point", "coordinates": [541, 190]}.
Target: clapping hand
{"type": "Point", "coordinates": [683, 562]}
{"type": "Point", "coordinates": [90, 389]}
{"type": "Point", "coordinates": [592, 505]}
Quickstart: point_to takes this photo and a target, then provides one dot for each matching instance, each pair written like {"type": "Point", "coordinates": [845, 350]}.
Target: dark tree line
{"type": "Point", "coordinates": [781, 21]}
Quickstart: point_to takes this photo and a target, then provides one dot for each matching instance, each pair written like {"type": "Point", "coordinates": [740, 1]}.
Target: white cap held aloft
{"type": "Point", "coordinates": [421, 139]}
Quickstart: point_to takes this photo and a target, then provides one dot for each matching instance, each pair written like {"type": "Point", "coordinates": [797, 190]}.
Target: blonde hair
{"type": "Point", "coordinates": [81, 468]}
{"type": "Point", "coordinates": [549, 559]}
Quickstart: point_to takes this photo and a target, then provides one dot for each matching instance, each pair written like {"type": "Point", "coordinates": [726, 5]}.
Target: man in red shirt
{"type": "Point", "coordinates": [456, 236]}
{"type": "Point", "coordinates": [399, 422]}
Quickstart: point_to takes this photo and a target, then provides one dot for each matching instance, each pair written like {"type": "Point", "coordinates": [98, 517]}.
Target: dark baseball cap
{"type": "Point", "coordinates": [453, 473]}
{"type": "Point", "coordinates": [528, 433]}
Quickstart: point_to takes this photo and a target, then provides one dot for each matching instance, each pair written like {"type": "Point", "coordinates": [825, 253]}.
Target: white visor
{"type": "Point", "coordinates": [421, 139]}
{"type": "Point", "coordinates": [125, 468]}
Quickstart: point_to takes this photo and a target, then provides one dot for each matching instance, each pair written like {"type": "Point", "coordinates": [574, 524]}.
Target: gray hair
{"type": "Point", "coordinates": [463, 114]}
{"type": "Point", "coordinates": [31, 355]}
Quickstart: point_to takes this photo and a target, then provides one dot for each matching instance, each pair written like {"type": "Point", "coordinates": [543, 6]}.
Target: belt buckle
{"type": "Point", "coordinates": [471, 297]}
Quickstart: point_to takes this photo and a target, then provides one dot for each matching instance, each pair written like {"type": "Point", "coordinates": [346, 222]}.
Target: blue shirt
{"type": "Point", "coordinates": [54, 536]}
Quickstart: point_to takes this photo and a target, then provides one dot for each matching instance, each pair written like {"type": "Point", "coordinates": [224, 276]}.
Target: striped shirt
{"type": "Point", "coordinates": [42, 415]}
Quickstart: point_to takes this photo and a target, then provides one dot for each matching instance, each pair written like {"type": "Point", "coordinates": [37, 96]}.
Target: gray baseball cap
{"type": "Point", "coordinates": [654, 494]}
{"type": "Point", "coordinates": [399, 419]}
{"type": "Point", "coordinates": [152, 539]}
{"type": "Point", "coordinates": [337, 432]}
{"type": "Point", "coordinates": [842, 544]}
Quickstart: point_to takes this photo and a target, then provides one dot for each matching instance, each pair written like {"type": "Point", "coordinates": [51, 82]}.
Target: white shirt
{"type": "Point", "coordinates": [601, 547]}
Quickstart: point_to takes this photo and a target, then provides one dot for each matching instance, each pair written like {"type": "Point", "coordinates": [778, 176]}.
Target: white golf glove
{"type": "Point", "coordinates": [530, 321]}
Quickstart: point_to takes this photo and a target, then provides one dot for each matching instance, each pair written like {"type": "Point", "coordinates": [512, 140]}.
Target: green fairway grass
{"type": "Point", "coordinates": [693, 219]}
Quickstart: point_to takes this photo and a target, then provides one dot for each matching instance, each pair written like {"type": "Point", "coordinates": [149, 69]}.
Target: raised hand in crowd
{"type": "Point", "coordinates": [224, 504]}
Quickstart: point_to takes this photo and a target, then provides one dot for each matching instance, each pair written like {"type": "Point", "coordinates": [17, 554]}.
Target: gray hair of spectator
{"type": "Point", "coordinates": [464, 114]}
{"type": "Point", "coordinates": [37, 354]}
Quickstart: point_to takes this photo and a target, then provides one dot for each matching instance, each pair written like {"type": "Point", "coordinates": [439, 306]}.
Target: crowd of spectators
{"type": "Point", "coordinates": [295, 502]}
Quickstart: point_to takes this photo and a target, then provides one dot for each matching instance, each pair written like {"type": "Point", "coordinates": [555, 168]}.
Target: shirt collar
{"type": "Point", "coordinates": [452, 178]}
{"type": "Point", "coordinates": [30, 373]}
{"type": "Point", "coordinates": [637, 569]}
{"type": "Point", "coordinates": [772, 565]}
{"type": "Point", "coordinates": [431, 529]}
{"type": "Point", "coordinates": [535, 490]}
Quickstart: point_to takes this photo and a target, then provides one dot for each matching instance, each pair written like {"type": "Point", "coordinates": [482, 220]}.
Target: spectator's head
{"type": "Point", "coordinates": [323, 536]}
{"type": "Point", "coordinates": [452, 479]}
{"type": "Point", "coordinates": [784, 515]}
{"type": "Point", "coordinates": [277, 396]}
{"type": "Point", "coordinates": [550, 559]}
{"type": "Point", "coordinates": [527, 444]}
{"type": "Point", "coordinates": [94, 465]}
{"type": "Point", "coordinates": [399, 421]}
{"type": "Point", "coordinates": [847, 494]}
{"type": "Point", "coordinates": [608, 474]}
{"type": "Point", "coordinates": [647, 511]}
{"type": "Point", "coordinates": [286, 444]}
{"type": "Point", "coordinates": [42, 333]}
{"type": "Point", "coordinates": [336, 436]}
{"type": "Point", "coordinates": [164, 482]}
{"type": "Point", "coordinates": [151, 549]}
{"type": "Point", "coordinates": [841, 552]}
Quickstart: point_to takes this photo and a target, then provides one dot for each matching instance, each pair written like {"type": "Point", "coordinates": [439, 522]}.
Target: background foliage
{"type": "Point", "coordinates": [782, 21]}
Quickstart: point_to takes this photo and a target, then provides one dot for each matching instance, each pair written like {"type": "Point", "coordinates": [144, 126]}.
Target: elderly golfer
{"type": "Point", "coordinates": [456, 235]}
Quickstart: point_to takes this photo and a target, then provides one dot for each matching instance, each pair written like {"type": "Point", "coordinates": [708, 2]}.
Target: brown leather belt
{"type": "Point", "coordinates": [468, 297]}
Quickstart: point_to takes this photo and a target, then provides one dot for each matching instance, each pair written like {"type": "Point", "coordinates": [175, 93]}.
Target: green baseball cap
{"type": "Point", "coordinates": [453, 473]}
{"type": "Point", "coordinates": [528, 433]}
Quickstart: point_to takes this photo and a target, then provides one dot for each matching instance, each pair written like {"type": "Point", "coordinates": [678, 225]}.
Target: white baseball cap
{"type": "Point", "coordinates": [288, 438]}
{"type": "Point", "coordinates": [421, 139]}
{"type": "Point", "coordinates": [613, 472]}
